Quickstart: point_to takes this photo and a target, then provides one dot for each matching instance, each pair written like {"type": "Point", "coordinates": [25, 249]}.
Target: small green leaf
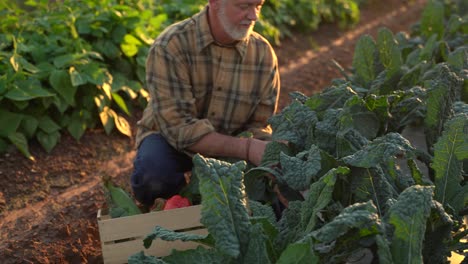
{"type": "Point", "coordinates": [67, 59]}
{"type": "Point", "coordinates": [48, 141]}
{"type": "Point", "coordinates": [120, 102]}
{"type": "Point", "coordinates": [9, 123]}
{"type": "Point", "coordinates": [130, 45]}
{"type": "Point", "coordinates": [76, 128]}
{"type": "Point", "coordinates": [29, 125]}
{"type": "Point", "coordinates": [61, 82]}
{"type": "Point", "coordinates": [26, 90]}
{"type": "Point", "coordinates": [19, 140]}
{"type": "Point", "coordinates": [76, 78]}
{"type": "Point", "coordinates": [48, 125]}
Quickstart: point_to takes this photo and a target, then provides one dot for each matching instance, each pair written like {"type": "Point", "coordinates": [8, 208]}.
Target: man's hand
{"type": "Point", "coordinates": [256, 150]}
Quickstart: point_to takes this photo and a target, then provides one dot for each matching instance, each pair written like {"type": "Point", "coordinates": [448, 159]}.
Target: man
{"type": "Point", "coordinates": [210, 77]}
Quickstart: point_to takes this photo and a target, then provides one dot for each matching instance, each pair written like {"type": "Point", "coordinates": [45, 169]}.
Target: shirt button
{"type": "Point", "coordinates": [219, 88]}
{"type": "Point", "coordinates": [213, 113]}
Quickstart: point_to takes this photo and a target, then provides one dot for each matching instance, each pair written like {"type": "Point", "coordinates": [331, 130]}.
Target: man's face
{"type": "Point", "coordinates": [238, 17]}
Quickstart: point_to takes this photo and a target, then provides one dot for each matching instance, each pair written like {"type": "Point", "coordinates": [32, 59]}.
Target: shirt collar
{"type": "Point", "coordinates": [204, 36]}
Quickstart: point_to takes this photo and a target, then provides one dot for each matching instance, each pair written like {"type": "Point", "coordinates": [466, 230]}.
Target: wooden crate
{"type": "Point", "coordinates": [123, 237]}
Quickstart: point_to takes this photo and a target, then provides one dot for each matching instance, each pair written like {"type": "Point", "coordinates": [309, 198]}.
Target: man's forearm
{"type": "Point", "coordinates": [218, 145]}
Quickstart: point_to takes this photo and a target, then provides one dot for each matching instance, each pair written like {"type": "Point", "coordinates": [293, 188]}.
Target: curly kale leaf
{"type": "Point", "coordinates": [299, 253]}
{"type": "Point", "coordinates": [326, 130]}
{"type": "Point", "coordinates": [224, 211]}
{"type": "Point", "coordinates": [364, 62]}
{"type": "Point", "coordinates": [298, 171]}
{"type": "Point", "coordinates": [294, 124]}
{"type": "Point", "coordinates": [449, 152]}
{"type": "Point", "coordinates": [444, 89]}
{"type": "Point", "coordinates": [289, 226]}
{"type": "Point", "coordinates": [409, 108]}
{"type": "Point", "coordinates": [435, 247]}
{"type": "Point", "coordinates": [380, 150]}
{"type": "Point", "coordinates": [348, 142]}
{"type": "Point", "coordinates": [369, 184]}
{"type": "Point", "coordinates": [257, 251]}
{"type": "Point", "coordinates": [409, 216]}
{"type": "Point", "coordinates": [412, 76]}
{"type": "Point", "coordinates": [260, 210]}
{"type": "Point", "coordinates": [432, 20]}
{"type": "Point", "coordinates": [170, 235]}
{"type": "Point", "coordinates": [356, 115]}
{"type": "Point", "coordinates": [271, 156]}
{"type": "Point", "coordinates": [390, 54]}
{"type": "Point", "coordinates": [330, 98]}
{"type": "Point", "coordinates": [319, 196]}
{"type": "Point", "coordinates": [357, 125]}
{"type": "Point", "coordinates": [459, 58]}
{"type": "Point", "coordinates": [361, 216]}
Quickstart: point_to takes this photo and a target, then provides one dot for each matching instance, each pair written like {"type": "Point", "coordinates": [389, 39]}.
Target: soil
{"type": "Point", "coordinates": [48, 206]}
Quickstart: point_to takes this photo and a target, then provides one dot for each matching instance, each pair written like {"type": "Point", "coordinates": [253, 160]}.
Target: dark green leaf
{"type": "Point", "coordinates": [76, 78]}
{"type": "Point", "coordinates": [26, 90]}
{"type": "Point", "coordinates": [364, 60]}
{"type": "Point", "coordinates": [390, 55]}
{"type": "Point", "coordinates": [298, 171]}
{"type": "Point", "coordinates": [76, 128]}
{"type": "Point", "coordinates": [48, 141]}
{"type": "Point", "coordinates": [408, 216]}
{"type": "Point", "coordinates": [299, 253]}
{"type": "Point", "coordinates": [432, 20]}
{"type": "Point", "coordinates": [450, 150]}
{"type": "Point", "coordinates": [380, 150]}
{"type": "Point", "coordinates": [362, 216]}
{"type": "Point", "coordinates": [29, 125]}
{"type": "Point", "coordinates": [9, 123]}
{"type": "Point", "coordinates": [48, 125]}
{"type": "Point", "coordinates": [120, 102]}
{"type": "Point", "coordinates": [294, 124]}
{"type": "Point", "coordinates": [319, 196]}
{"type": "Point", "coordinates": [223, 205]}
{"type": "Point", "coordinates": [20, 141]}
{"type": "Point", "coordinates": [61, 82]}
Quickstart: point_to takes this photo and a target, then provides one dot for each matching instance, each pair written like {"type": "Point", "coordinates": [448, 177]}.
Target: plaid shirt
{"type": "Point", "coordinates": [197, 87]}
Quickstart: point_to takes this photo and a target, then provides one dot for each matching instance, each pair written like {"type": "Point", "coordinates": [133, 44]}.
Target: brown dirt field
{"type": "Point", "coordinates": [48, 206]}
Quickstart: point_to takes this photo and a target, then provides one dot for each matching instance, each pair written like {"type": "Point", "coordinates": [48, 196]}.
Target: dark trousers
{"type": "Point", "coordinates": [158, 170]}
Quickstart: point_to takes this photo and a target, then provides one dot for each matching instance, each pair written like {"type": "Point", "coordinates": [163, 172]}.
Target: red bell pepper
{"type": "Point", "coordinates": [176, 201]}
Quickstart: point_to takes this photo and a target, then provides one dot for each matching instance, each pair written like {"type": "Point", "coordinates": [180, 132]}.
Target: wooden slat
{"type": "Point", "coordinates": [142, 225]}
{"type": "Point", "coordinates": [119, 252]}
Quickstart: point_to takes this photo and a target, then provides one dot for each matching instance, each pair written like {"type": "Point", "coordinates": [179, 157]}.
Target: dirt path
{"type": "Point", "coordinates": [48, 207]}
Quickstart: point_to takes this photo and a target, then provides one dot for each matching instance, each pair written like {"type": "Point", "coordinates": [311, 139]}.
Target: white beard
{"type": "Point", "coordinates": [231, 30]}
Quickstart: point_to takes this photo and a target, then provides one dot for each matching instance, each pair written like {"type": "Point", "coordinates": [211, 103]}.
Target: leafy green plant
{"type": "Point", "coordinates": [378, 158]}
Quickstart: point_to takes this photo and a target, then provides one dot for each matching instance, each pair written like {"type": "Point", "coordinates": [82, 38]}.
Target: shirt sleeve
{"type": "Point", "coordinates": [268, 102]}
{"type": "Point", "coordinates": [173, 104]}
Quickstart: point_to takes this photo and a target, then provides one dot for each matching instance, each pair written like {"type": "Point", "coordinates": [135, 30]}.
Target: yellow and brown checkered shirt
{"type": "Point", "coordinates": [197, 86]}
